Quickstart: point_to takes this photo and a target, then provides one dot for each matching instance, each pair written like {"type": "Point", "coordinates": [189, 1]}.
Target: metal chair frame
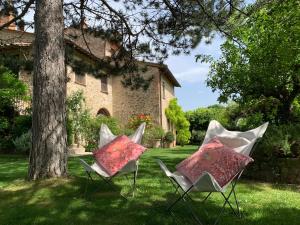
{"type": "Point", "coordinates": [184, 195]}
{"type": "Point", "coordinates": [109, 181]}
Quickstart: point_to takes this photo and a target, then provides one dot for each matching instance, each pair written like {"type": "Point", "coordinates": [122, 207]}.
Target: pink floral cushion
{"type": "Point", "coordinates": [116, 154]}
{"type": "Point", "coordinates": [222, 162]}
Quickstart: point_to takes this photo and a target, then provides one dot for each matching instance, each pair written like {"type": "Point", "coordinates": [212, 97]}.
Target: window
{"type": "Point", "coordinates": [164, 90]}
{"type": "Point", "coordinates": [80, 79]}
{"type": "Point", "coordinates": [104, 84]}
{"type": "Point", "coordinates": [103, 112]}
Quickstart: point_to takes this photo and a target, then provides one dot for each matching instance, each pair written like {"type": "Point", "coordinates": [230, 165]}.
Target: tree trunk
{"type": "Point", "coordinates": [48, 157]}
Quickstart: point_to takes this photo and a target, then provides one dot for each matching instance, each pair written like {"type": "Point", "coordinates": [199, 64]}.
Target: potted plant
{"type": "Point", "coordinates": [168, 139]}
{"type": "Point", "coordinates": [153, 136]}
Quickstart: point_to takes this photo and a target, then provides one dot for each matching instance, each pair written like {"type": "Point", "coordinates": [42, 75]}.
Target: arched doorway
{"type": "Point", "coordinates": [103, 112]}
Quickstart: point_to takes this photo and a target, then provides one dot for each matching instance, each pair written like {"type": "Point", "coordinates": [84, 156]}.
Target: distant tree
{"type": "Point", "coordinates": [262, 60]}
{"type": "Point", "coordinates": [176, 115]}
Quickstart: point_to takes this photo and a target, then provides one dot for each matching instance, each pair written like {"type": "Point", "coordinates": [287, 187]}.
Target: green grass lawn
{"type": "Point", "coordinates": [63, 201]}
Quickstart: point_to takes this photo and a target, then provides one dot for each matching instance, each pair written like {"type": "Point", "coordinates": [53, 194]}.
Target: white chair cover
{"type": "Point", "coordinates": [241, 142]}
{"type": "Point", "coordinates": [106, 136]}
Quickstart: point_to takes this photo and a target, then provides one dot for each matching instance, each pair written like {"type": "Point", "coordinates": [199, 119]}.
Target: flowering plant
{"type": "Point", "coordinates": [136, 120]}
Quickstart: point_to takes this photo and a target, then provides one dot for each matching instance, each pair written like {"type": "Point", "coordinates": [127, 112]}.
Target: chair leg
{"type": "Point", "coordinates": [206, 197]}
{"type": "Point", "coordinates": [89, 175]}
{"type": "Point", "coordinates": [237, 204]}
{"type": "Point", "coordinates": [184, 196]}
{"type": "Point", "coordinates": [232, 191]}
{"type": "Point", "coordinates": [134, 182]}
{"type": "Point", "coordinates": [86, 183]}
{"type": "Point", "coordinates": [108, 181]}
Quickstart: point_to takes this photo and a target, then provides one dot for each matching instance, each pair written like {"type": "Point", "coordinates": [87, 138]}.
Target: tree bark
{"type": "Point", "coordinates": [48, 157]}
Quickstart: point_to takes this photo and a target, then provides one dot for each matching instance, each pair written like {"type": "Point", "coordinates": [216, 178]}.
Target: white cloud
{"type": "Point", "coordinates": [197, 74]}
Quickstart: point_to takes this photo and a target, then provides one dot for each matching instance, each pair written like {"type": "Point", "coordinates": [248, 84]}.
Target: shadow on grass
{"type": "Point", "coordinates": [74, 201]}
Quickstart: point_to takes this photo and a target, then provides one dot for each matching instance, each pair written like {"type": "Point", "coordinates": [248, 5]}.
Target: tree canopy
{"type": "Point", "coordinates": [262, 60]}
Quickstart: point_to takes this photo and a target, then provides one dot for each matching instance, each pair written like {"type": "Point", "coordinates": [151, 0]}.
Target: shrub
{"type": "Point", "coordinates": [127, 131]}
{"type": "Point", "coordinates": [251, 121]}
{"type": "Point", "coordinates": [200, 118]}
{"type": "Point", "coordinates": [77, 117]}
{"type": "Point", "coordinates": [280, 141]}
{"type": "Point", "coordinates": [197, 137]}
{"type": "Point", "coordinates": [21, 125]}
{"type": "Point", "coordinates": [23, 142]}
{"type": "Point", "coordinates": [169, 137]}
{"type": "Point", "coordinates": [152, 135]}
{"type": "Point", "coordinates": [12, 91]}
{"type": "Point", "coordinates": [175, 114]}
{"type": "Point", "coordinates": [183, 137]}
{"type": "Point", "coordinates": [136, 120]}
{"type": "Point", "coordinates": [92, 128]}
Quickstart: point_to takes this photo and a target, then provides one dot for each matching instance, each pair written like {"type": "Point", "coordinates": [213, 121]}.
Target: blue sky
{"type": "Point", "coordinates": [192, 75]}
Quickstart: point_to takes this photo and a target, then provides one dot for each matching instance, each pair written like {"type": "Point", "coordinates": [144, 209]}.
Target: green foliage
{"type": "Point", "coordinates": [250, 122]}
{"type": "Point", "coordinates": [279, 141]}
{"type": "Point", "coordinates": [77, 116]}
{"type": "Point", "coordinates": [12, 91]}
{"type": "Point", "coordinates": [15, 63]}
{"type": "Point", "coordinates": [296, 109]}
{"type": "Point", "coordinates": [200, 118]}
{"type": "Point", "coordinates": [136, 120]}
{"type": "Point", "coordinates": [183, 136]}
{"type": "Point", "coordinates": [92, 127]}
{"type": "Point", "coordinates": [197, 137]}
{"type": "Point", "coordinates": [152, 135]}
{"type": "Point", "coordinates": [175, 114]}
{"type": "Point", "coordinates": [23, 143]}
{"type": "Point", "coordinates": [169, 137]}
{"type": "Point", "coordinates": [262, 59]}
{"type": "Point", "coordinates": [22, 124]}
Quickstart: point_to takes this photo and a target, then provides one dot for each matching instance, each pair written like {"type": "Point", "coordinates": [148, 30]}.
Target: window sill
{"type": "Point", "coordinates": [104, 92]}
{"type": "Point", "coordinates": [80, 83]}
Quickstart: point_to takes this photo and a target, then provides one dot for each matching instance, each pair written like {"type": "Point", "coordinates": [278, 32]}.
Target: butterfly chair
{"type": "Point", "coordinates": [242, 142]}
{"type": "Point", "coordinates": [105, 137]}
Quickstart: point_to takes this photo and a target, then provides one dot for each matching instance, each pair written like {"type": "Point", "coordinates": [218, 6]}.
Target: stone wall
{"type": "Point", "coordinates": [94, 98]}
{"type": "Point", "coordinates": [284, 170]}
{"type": "Point", "coordinates": [169, 95]}
{"type": "Point", "coordinates": [127, 102]}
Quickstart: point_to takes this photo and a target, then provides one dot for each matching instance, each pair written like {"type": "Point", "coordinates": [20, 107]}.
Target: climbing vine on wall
{"type": "Point", "coordinates": [176, 115]}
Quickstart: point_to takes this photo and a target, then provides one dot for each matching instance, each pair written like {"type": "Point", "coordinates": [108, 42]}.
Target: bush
{"type": "Point", "coordinates": [280, 141]}
{"type": "Point", "coordinates": [169, 137]}
{"type": "Point", "coordinates": [175, 114]}
{"type": "Point", "coordinates": [200, 118]}
{"type": "Point", "coordinates": [77, 117]}
{"type": "Point", "coordinates": [92, 128]}
{"type": "Point", "coordinates": [23, 143]}
{"type": "Point", "coordinates": [250, 122]}
{"type": "Point", "coordinates": [12, 91]}
{"type": "Point", "coordinates": [136, 120]}
{"type": "Point", "coordinates": [183, 137]}
{"type": "Point", "coordinates": [21, 125]}
{"type": "Point", "coordinates": [152, 135]}
{"type": "Point", "coordinates": [197, 137]}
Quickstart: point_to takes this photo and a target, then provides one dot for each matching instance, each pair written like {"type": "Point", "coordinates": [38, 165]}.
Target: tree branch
{"type": "Point", "coordinates": [25, 10]}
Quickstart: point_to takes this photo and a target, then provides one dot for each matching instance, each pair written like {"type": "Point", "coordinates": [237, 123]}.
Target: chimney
{"type": "Point", "coordinates": [6, 15]}
{"type": "Point", "coordinates": [83, 24]}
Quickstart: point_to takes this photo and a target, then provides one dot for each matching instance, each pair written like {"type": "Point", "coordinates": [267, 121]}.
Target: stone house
{"type": "Point", "coordinates": [105, 95]}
